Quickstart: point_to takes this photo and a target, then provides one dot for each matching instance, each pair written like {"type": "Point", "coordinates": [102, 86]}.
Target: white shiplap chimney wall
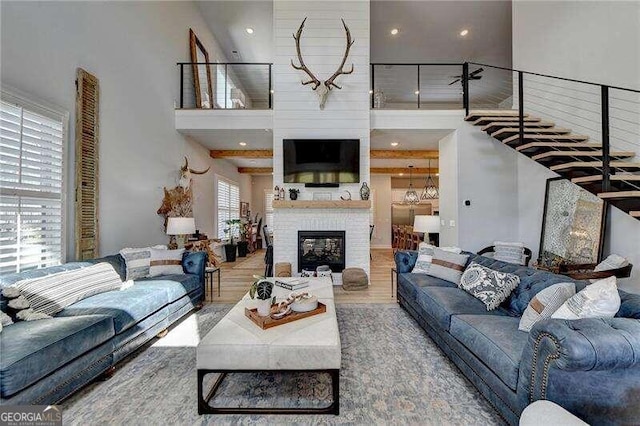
{"type": "Point", "coordinates": [296, 114]}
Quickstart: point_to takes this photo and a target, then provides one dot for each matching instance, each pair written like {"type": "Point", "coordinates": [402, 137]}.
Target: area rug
{"type": "Point", "coordinates": [254, 261]}
{"type": "Point", "coordinates": [392, 373]}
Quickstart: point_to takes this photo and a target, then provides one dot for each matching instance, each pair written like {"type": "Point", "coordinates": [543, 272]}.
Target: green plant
{"type": "Point", "coordinates": [232, 231]}
{"type": "Point", "coordinates": [262, 288]}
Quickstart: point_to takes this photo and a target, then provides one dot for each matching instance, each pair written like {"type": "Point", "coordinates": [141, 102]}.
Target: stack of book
{"type": "Point", "coordinates": [292, 284]}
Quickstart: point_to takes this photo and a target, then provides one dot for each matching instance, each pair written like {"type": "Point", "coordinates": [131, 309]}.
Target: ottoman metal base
{"type": "Point", "coordinates": [205, 408]}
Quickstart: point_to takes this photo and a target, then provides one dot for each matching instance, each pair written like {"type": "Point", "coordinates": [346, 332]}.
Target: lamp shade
{"type": "Point", "coordinates": [426, 223]}
{"type": "Point", "coordinates": [181, 226]}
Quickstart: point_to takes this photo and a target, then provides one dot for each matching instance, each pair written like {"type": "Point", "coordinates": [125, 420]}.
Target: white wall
{"type": "Point", "coordinates": [381, 188]}
{"type": "Point", "coordinates": [132, 48]}
{"type": "Point", "coordinates": [260, 184]}
{"type": "Point", "coordinates": [448, 186]}
{"type": "Point", "coordinates": [593, 41]}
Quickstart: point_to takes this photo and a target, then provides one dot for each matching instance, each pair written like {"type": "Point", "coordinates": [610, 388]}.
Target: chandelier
{"type": "Point", "coordinates": [430, 190]}
{"type": "Point", "coordinates": [411, 196]}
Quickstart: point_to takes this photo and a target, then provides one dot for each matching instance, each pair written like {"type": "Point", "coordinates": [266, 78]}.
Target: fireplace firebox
{"type": "Point", "coordinates": [317, 248]}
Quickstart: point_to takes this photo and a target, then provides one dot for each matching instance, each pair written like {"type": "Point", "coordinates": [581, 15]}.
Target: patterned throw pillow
{"type": "Point", "coordinates": [545, 303]}
{"type": "Point", "coordinates": [165, 262]}
{"type": "Point", "coordinates": [489, 286]}
{"type": "Point", "coordinates": [52, 293]}
{"type": "Point", "coordinates": [447, 265]}
{"type": "Point", "coordinates": [425, 255]}
{"type": "Point", "coordinates": [509, 252]}
{"type": "Point", "coordinates": [597, 300]}
{"type": "Point", "coordinates": [137, 261]}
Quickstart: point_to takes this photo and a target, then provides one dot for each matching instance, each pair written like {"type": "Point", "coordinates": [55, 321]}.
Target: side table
{"type": "Point", "coordinates": [208, 279]}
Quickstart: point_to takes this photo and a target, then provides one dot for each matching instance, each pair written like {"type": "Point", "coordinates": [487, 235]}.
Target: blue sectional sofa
{"type": "Point", "coordinates": [591, 367]}
{"type": "Point", "coordinates": [45, 361]}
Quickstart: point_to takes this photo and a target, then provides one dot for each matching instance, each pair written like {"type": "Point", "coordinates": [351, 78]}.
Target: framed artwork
{"type": "Point", "coordinates": [244, 209]}
{"type": "Point", "coordinates": [573, 224]}
{"type": "Point", "coordinates": [201, 73]}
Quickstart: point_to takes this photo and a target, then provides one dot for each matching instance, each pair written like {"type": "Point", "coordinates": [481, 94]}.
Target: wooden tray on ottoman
{"type": "Point", "coordinates": [268, 322]}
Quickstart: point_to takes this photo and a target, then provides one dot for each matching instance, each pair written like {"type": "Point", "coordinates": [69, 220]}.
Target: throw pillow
{"type": "Point", "coordinates": [597, 300]}
{"type": "Point", "coordinates": [489, 286]}
{"type": "Point", "coordinates": [425, 255]}
{"type": "Point", "coordinates": [545, 303]}
{"type": "Point", "coordinates": [509, 252]}
{"type": "Point", "coordinates": [137, 262]}
{"type": "Point", "coordinates": [52, 293]}
{"type": "Point", "coordinates": [5, 319]}
{"type": "Point", "coordinates": [447, 265]}
{"type": "Point", "coordinates": [19, 307]}
{"type": "Point", "coordinates": [165, 262]}
{"type": "Point", "coordinates": [614, 261]}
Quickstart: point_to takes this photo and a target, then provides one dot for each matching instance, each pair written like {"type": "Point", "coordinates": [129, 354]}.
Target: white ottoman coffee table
{"type": "Point", "coordinates": [237, 345]}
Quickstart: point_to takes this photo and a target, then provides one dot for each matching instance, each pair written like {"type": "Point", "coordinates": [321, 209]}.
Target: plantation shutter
{"type": "Point", "coordinates": [268, 208]}
{"type": "Point", "coordinates": [228, 205]}
{"type": "Point", "coordinates": [31, 185]}
{"type": "Point", "coordinates": [87, 138]}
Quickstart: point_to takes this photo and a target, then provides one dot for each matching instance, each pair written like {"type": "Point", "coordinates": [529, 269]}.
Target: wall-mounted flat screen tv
{"type": "Point", "coordinates": [321, 161]}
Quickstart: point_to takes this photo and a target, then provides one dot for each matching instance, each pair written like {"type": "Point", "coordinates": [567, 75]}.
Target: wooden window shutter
{"type": "Point", "coordinates": [87, 132]}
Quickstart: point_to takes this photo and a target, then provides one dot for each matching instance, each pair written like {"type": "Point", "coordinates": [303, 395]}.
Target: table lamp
{"type": "Point", "coordinates": [179, 226]}
{"type": "Point", "coordinates": [428, 225]}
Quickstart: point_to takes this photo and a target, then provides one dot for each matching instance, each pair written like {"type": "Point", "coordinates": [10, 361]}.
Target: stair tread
{"type": "Point", "coordinates": [529, 130]}
{"type": "Point", "coordinates": [530, 121]}
{"type": "Point", "coordinates": [492, 113]}
{"type": "Point", "coordinates": [558, 145]}
{"type": "Point", "coordinates": [595, 164]}
{"type": "Point", "coordinates": [619, 194]}
{"type": "Point", "coordinates": [552, 154]}
{"type": "Point", "coordinates": [598, 178]}
{"type": "Point", "coordinates": [547, 137]}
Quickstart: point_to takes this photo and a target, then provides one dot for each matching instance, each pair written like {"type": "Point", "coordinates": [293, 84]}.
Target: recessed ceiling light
{"type": "Point", "coordinates": [249, 30]}
{"type": "Point", "coordinates": [417, 92]}
{"type": "Point", "coordinates": [371, 92]}
{"type": "Point", "coordinates": [243, 144]}
{"type": "Point", "coordinates": [394, 143]}
{"type": "Point", "coordinates": [437, 174]}
{"type": "Point", "coordinates": [400, 174]}
{"type": "Point", "coordinates": [394, 31]}
{"type": "Point", "coordinates": [271, 91]}
{"type": "Point", "coordinates": [253, 161]}
{"type": "Point", "coordinates": [464, 33]}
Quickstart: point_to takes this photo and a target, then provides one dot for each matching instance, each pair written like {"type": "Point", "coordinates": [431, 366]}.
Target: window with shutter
{"type": "Point", "coordinates": [32, 153]}
{"type": "Point", "coordinates": [268, 208]}
{"type": "Point", "coordinates": [87, 132]}
{"type": "Point", "coordinates": [228, 205]}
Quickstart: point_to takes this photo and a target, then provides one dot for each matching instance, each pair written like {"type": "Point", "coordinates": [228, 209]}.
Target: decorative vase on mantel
{"type": "Point", "coordinates": [293, 193]}
{"type": "Point", "coordinates": [365, 192]}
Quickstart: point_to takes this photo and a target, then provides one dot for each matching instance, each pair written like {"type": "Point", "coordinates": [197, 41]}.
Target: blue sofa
{"type": "Point", "coordinates": [591, 367]}
{"type": "Point", "coordinates": [45, 361]}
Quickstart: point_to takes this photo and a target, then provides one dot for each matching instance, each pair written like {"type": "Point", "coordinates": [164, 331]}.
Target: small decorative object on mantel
{"type": "Point", "coordinates": [262, 288]}
{"type": "Point", "coordinates": [282, 194]}
{"type": "Point", "coordinates": [293, 193]}
{"type": "Point", "coordinates": [365, 192]}
{"type": "Point", "coordinates": [322, 88]}
{"type": "Point", "coordinates": [347, 196]}
{"type": "Point", "coordinates": [276, 193]}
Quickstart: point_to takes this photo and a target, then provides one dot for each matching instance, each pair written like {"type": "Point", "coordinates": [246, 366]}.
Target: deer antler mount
{"type": "Point", "coordinates": [322, 88]}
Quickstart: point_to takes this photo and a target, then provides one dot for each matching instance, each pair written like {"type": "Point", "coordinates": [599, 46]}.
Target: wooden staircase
{"type": "Point", "coordinates": [571, 155]}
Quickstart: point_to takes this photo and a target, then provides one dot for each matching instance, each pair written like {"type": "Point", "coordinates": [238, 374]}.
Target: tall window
{"type": "Point", "coordinates": [228, 205]}
{"type": "Point", "coordinates": [268, 208]}
{"type": "Point", "coordinates": [31, 185]}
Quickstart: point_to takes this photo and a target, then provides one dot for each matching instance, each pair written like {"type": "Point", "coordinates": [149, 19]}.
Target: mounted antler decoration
{"type": "Point", "coordinates": [322, 88]}
{"type": "Point", "coordinates": [185, 174]}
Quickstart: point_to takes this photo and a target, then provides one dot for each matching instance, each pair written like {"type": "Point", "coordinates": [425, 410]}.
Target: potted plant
{"type": "Point", "coordinates": [293, 193]}
{"type": "Point", "coordinates": [262, 288]}
{"type": "Point", "coordinates": [231, 246]}
{"type": "Point", "coordinates": [245, 236]}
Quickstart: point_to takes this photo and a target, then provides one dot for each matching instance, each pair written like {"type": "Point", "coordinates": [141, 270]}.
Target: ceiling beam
{"type": "Point", "coordinates": [408, 154]}
{"type": "Point", "coordinates": [404, 170]}
{"type": "Point", "coordinates": [241, 153]}
{"type": "Point", "coordinates": [255, 170]}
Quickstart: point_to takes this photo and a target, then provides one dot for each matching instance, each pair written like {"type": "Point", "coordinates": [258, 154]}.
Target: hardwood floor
{"type": "Point", "coordinates": [237, 276]}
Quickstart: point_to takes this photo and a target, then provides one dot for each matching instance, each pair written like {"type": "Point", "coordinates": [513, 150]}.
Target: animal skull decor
{"type": "Point", "coordinates": [322, 88]}
{"type": "Point", "coordinates": [185, 174]}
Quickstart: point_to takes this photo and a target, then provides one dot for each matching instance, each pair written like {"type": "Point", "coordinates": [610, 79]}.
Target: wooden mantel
{"type": "Point", "coordinates": [317, 204]}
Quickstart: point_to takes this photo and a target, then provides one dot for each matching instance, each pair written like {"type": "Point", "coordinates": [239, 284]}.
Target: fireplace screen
{"type": "Point", "coordinates": [317, 248]}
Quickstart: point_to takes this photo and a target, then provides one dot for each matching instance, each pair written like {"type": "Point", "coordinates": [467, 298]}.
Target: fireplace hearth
{"type": "Point", "coordinates": [317, 248]}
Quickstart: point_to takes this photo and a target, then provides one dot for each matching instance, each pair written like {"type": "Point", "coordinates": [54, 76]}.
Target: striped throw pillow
{"type": "Point", "coordinates": [137, 262]}
{"type": "Point", "coordinates": [447, 265]}
{"type": "Point", "coordinates": [509, 252]}
{"type": "Point", "coordinates": [52, 293]}
{"type": "Point", "coordinates": [165, 262]}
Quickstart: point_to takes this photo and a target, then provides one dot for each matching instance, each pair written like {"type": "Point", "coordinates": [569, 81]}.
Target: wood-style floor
{"type": "Point", "coordinates": [235, 281]}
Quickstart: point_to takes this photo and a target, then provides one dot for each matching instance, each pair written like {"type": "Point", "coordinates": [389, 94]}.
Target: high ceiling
{"type": "Point", "coordinates": [429, 31]}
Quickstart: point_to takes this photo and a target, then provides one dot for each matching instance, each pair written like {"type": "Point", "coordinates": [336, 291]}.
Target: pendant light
{"type": "Point", "coordinates": [430, 190]}
{"type": "Point", "coordinates": [411, 196]}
